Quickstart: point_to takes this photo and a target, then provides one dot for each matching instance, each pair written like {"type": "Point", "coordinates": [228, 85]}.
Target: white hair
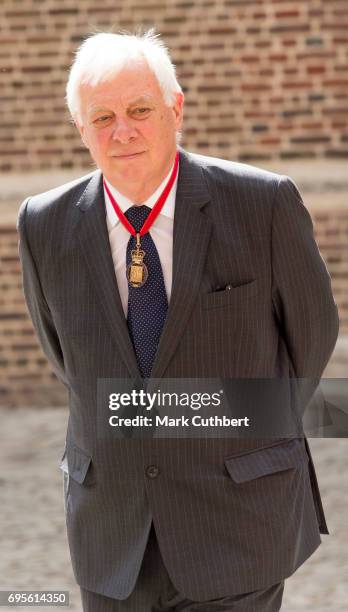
{"type": "Point", "coordinates": [101, 56]}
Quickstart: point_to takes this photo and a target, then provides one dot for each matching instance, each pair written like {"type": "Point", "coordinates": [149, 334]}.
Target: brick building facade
{"type": "Point", "coordinates": [265, 82]}
{"type": "Point", "coordinates": [263, 79]}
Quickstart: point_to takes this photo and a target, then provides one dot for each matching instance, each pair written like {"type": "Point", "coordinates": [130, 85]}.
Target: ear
{"type": "Point", "coordinates": [178, 109]}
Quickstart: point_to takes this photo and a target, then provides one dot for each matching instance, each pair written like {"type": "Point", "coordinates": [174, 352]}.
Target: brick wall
{"type": "Point", "coordinates": [263, 78]}
{"type": "Point", "coordinates": [26, 377]}
{"type": "Point", "coordinates": [265, 81]}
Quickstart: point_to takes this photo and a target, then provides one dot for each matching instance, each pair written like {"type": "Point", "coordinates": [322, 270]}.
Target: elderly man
{"type": "Point", "coordinates": [162, 263]}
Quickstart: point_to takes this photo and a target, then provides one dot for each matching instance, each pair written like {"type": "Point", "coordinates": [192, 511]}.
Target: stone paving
{"type": "Point", "coordinates": [34, 548]}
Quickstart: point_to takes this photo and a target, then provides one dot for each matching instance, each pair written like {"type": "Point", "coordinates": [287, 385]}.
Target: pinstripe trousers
{"type": "Point", "coordinates": [155, 592]}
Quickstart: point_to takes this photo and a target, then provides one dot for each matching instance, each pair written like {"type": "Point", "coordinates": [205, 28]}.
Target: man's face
{"type": "Point", "coordinates": [128, 129]}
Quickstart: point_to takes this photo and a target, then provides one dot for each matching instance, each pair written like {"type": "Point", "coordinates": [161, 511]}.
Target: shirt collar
{"type": "Point", "coordinates": [124, 202]}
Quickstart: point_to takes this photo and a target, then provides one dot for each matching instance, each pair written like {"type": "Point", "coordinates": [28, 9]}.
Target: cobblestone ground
{"type": "Point", "coordinates": [34, 549]}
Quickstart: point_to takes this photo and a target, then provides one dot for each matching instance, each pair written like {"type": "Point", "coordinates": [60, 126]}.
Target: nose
{"type": "Point", "coordinates": [123, 131]}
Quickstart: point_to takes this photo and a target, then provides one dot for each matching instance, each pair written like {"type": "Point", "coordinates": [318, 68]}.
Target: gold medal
{"type": "Point", "coordinates": [137, 271]}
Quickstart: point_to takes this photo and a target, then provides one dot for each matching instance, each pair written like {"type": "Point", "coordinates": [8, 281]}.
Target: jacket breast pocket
{"type": "Point", "coordinates": [283, 456]}
{"type": "Point", "coordinates": [238, 296]}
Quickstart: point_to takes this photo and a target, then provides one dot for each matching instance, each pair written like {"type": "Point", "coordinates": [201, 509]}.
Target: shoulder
{"type": "Point", "coordinates": [50, 202]}
{"type": "Point", "coordinates": [245, 193]}
{"type": "Point", "coordinates": [223, 170]}
{"type": "Point", "coordinates": [245, 184]}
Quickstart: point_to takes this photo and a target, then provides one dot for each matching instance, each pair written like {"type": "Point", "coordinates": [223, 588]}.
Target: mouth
{"type": "Point", "coordinates": [129, 156]}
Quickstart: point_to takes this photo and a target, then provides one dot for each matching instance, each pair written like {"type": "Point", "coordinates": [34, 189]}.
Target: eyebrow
{"type": "Point", "coordinates": [140, 100]}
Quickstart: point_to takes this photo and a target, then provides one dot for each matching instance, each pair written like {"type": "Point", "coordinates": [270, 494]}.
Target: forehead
{"type": "Point", "coordinates": [128, 86]}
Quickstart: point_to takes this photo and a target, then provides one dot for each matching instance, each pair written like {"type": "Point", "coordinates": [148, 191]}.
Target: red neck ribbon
{"type": "Point", "coordinates": [155, 210]}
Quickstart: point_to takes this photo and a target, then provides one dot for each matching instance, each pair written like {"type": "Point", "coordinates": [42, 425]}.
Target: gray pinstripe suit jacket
{"type": "Point", "coordinates": [231, 515]}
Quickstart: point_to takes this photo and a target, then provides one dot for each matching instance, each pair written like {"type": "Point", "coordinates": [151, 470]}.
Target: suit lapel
{"type": "Point", "coordinates": [94, 242]}
{"type": "Point", "coordinates": [192, 230]}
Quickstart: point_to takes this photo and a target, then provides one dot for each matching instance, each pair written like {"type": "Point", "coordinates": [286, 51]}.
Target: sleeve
{"type": "Point", "coordinates": [301, 290]}
{"type": "Point", "coordinates": [38, 308]}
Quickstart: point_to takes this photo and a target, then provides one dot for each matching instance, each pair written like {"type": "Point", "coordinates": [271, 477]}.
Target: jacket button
{"type": "Point", "coordinates": [152, 471]}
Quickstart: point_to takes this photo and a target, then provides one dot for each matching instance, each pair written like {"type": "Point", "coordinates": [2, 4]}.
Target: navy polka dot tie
{"type": "Point", "coordinates": [147, 305]}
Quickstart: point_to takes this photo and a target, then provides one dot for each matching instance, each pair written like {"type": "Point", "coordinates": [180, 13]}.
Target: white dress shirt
{"type": "Point", "coordinates": [161, 233]}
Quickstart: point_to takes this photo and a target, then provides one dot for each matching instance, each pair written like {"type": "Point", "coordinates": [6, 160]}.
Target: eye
{"type": "Point", "coordinates": [102, 119]}
{"type": "Point", "coordinates": [141, 110]}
